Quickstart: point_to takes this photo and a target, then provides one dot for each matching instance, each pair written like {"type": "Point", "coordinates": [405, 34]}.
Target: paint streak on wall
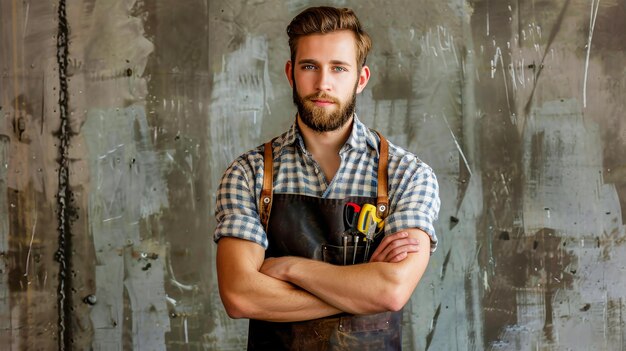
{"type": "Point", "coordinates": [126, 187]}
{"type": "Point", "coordinates": [178, 98]}
{"type": "Point", "coordinates": [563, 164]}
{"type": "Point", "coordinates": [244, 83]}
{"type": "Point", "coordinates": [238, 100]}
{"type": "Point", "coordinates": [435, 133]}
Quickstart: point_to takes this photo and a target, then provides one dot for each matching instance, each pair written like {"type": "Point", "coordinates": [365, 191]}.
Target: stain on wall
{"type": "Point", "coordinates": [517, 105]}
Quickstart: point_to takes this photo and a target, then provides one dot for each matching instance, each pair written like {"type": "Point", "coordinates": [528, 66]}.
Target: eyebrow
{"type": "Point", "coordinates": [315, 62]}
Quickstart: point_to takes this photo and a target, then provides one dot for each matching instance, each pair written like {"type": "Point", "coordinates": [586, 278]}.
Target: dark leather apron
{"type": "Point", "coordinates": [312, 227]}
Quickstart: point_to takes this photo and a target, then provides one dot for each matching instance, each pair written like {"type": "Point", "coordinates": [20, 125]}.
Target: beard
{"type": "Point", "coordinates": [318, 118]}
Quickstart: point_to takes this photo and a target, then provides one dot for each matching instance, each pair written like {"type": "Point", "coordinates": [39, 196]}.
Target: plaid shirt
{"type": "Point", "coordinates": [413, 189]}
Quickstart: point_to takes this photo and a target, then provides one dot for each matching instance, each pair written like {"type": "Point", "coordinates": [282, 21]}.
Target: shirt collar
{"type": "Point", "coordinates": [360, 137]}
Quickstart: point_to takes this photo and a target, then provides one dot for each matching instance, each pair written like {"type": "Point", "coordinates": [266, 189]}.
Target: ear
{"type": "Point", "coordinates": [364, 77]}
{"type": "Point", "coordinates": [288, 72]}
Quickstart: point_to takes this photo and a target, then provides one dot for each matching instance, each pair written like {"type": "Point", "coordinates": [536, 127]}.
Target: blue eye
{"type": "Point", "coordinates": [339, 69]}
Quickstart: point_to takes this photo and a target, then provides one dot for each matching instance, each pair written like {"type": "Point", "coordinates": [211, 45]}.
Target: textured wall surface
{"type": "Point", "coordinates": [119, 117]}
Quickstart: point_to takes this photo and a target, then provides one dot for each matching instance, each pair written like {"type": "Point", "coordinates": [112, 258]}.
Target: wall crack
{"type": "Point", "coordinates": [64, 194]}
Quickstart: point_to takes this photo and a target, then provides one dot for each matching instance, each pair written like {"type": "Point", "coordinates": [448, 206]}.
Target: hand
{"type": "Point", "coordinates": [395, 248]}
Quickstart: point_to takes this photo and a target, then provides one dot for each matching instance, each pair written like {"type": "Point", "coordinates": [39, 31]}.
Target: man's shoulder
{"type": "Point", "coordinates": [402, 159]}
{"type": "Point", "coordinates": [249, 158]}
{"type": "Point", "coordinates": [395, 151]}
{"type": "Point", "coordinates": [399, 152]}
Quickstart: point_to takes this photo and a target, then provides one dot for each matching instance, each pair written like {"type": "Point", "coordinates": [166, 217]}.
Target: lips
{"type": "Point", "coordinates": [322, 100]}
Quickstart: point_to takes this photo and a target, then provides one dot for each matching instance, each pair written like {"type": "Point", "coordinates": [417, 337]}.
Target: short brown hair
{"type": "Point", "coordinates": [325, 19]}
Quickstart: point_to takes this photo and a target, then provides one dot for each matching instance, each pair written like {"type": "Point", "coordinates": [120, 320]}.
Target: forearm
{"type": "Point", "coordinates": [247, 293]}
{"type": "Point", "coordinates": [358, 289]}
{"type": "Point", "coordinates": [269, 299]}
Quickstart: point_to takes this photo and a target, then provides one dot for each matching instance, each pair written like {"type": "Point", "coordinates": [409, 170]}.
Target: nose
{"type": "Point", "coordinates": [324, 81]}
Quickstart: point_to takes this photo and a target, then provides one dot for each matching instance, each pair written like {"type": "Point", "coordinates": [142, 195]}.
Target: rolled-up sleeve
{"type": "Point", "coordinates": [236, 208]}
{"type": "Point", "coordinates": [416, 202]}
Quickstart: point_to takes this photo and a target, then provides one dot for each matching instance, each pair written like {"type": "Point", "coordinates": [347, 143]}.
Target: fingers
{"type": "Point", "coordinates": [399, 257]}
{"type": "Point", "coordinates": [395, 248]}
{"type": "Point", "coordinates": [397, 254]}
{"type": "Point", "coordinates": [385, 242]}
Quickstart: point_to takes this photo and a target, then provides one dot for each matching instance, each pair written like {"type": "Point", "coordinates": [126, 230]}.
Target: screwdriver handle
{"type": "Point", "coordinates": [345, 249]}
{"type": "Point", "coordinates": [356, 243]}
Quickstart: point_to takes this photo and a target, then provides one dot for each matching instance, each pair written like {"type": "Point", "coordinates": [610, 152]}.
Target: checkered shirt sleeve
{"type": "Point", "coordinates": [236, 205]}
{"type": "Point", "coordinates": [414, 198]}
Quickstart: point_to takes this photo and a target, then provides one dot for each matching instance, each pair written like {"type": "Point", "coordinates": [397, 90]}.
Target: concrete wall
{"type": "Point", "coordinates": [119, 116]}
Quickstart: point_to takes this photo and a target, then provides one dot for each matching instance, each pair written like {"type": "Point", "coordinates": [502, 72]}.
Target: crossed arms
{"type": "Point", "coordinates": [288, 289]}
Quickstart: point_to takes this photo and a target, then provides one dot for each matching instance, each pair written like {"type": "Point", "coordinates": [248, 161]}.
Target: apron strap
{"type": "Point", "coordinates": [382, 201]}
{"type": "Point", "coordinates": [265, 203]}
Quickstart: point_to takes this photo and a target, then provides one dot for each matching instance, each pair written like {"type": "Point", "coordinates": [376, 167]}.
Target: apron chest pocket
{"type": "Point", "coordinates": [335, 254]}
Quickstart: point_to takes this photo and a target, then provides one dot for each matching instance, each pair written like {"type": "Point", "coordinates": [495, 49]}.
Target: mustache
{"type": "Point", "coordinates": [321, 96]}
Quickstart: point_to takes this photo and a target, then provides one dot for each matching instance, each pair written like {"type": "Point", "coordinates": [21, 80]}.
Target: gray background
{"type": "Point", "coordinates": [518, 106]}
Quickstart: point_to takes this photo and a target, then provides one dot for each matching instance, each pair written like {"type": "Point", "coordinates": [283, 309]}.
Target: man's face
{"type": "Point", "coordinates": [325, 79]}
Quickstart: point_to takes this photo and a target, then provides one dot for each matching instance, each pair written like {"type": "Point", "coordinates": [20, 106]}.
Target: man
{"type": "Point", "coordinates": [287, 259]}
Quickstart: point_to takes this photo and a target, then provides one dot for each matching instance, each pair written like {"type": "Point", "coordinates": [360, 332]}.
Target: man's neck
{"type": "Point", "coordinates": [325, 143]}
